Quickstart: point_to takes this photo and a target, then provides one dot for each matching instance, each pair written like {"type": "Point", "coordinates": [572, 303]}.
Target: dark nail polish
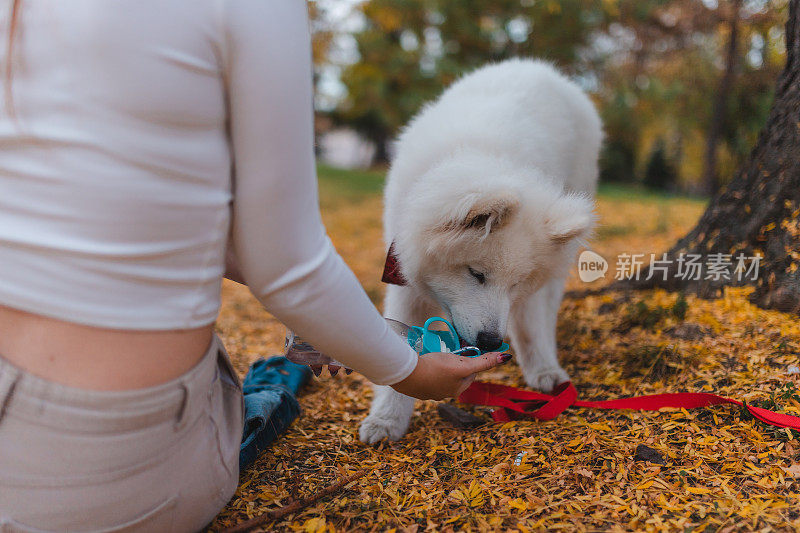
{"type": "Point", "coordinates": [505, 357]}
{"type": "Point", "coordinates": [333, 369]}
{"type": "Point", "coordinates": [348, 371]}
{"type": "Point", "coordinates": [317, 370]}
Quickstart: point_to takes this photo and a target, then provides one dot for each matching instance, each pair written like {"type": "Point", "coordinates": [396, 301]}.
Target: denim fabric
{"type": "Point", "coordinates": [269, 403]}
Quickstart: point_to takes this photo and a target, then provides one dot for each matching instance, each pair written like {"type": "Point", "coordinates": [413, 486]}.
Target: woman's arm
{"type": "Point", "coordinates": [281, 248]}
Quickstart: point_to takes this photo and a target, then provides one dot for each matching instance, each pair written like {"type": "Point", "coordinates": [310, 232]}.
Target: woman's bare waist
{"type": "Point", "coordinates": [98, 358]}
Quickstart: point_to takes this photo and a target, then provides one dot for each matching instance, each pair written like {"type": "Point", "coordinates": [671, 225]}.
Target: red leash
{"type": "Point", "coordinates": [516, 403]}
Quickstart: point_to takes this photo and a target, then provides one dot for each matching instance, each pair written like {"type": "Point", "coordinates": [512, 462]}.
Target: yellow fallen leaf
{"type": "Point", "coordinates": [599, 426]}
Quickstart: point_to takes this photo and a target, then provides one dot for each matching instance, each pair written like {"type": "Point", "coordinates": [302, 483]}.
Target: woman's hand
{"type": "Point", "coordinates": [445, 375]}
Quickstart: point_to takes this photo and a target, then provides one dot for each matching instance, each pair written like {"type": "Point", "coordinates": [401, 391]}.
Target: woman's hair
{"type": "Point", "coordinates": [12, 30]}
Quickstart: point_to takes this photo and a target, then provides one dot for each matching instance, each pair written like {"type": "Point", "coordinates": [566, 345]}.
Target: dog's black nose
{"type": "Point", "coordinates": [488, 341]}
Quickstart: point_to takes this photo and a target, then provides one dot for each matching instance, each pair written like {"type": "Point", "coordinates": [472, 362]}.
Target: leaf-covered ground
{"type": "Point", "coordinates": [722, 470]}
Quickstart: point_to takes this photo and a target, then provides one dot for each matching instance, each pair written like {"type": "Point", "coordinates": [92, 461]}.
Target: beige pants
{"type": "Point", "coordinates": [165, 458]}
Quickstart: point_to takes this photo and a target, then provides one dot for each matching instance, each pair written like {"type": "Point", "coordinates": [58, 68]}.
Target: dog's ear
{"type": "Point", "coordinates": [486, 213]}
{"type": "Point", "coordinates": [571, 216]}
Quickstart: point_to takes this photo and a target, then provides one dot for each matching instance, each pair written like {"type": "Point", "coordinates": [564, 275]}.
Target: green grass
{"type": "Point", "coordinates": [658, 210]}
{"type": "Point", "coordinates": [342, 185]}
{"type": "Point", "coordinates": [637, 193]}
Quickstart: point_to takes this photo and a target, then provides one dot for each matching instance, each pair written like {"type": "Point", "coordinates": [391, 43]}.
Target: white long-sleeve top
{"type": "Point", "coordinates": [144, 134]}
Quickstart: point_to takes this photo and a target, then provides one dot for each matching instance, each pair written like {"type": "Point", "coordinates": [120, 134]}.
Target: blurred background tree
{"type": "Point", "coordinates": [659, 173]}
{"type": "Point", "coordinates": [683, 86]}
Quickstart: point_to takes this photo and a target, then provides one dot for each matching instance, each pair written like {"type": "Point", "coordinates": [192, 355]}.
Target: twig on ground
{"type": "Point", "coordinates": [458, 417]}
{"type": "Point", "coordinates": [579, 294]}
{"type": "Point", "coordinates": [295, 506]}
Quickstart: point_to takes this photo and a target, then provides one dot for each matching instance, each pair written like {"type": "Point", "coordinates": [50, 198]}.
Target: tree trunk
{"type": "Point", "coordinates": [381, 155]}
{"type": "Point", "coordinates": [710, 172]}
{"type": "Point", "coordinates": [758, 213]}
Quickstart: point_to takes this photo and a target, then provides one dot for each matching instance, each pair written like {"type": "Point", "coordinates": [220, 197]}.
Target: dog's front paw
{"type": "Point", "coordinates": [546, 379]}
{"type": "Point", "coordinates": [374, 429]}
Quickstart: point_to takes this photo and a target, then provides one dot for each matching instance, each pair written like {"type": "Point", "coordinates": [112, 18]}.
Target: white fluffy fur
{"type": "Point", "coordinates": [497, 175]}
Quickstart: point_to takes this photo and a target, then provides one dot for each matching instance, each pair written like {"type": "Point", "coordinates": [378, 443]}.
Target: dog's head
{"type": "Point", "coordinates": [479, 234]}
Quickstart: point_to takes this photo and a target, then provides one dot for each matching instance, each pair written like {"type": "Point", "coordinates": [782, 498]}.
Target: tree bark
{"type": "Point", "coordinates": [759, 211]}
{"type": "Point", "coordinates": [710, 172]}
{"type": "Point", "coordinates": [381, 155]}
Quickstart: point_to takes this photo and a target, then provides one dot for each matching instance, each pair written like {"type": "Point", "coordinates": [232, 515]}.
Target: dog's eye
{"type": "Point", "coordinates": [477, 275]}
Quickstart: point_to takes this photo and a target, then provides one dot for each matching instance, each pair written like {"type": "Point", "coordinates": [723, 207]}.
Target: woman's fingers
{"type": "Point", "coordinates": [475, 365]}
{"type": "Point", "coordinates": [443, 375]}
{"type": "Point", "coordinates": [484, 362]}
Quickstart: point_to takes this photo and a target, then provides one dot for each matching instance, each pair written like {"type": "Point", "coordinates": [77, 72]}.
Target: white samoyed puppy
{"type": "Point", "coordinates": [486, 203]}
